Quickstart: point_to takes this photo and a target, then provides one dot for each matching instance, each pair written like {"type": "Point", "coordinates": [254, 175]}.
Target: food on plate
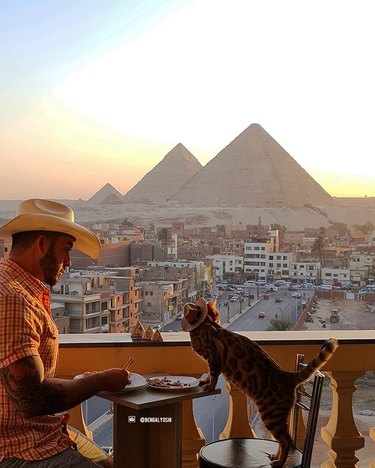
{"type": "Point", "coordinates": [166, 382]}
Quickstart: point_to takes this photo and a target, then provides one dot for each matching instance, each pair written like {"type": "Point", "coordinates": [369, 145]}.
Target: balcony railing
{"type": "Point", "coordinates": [355, 356]}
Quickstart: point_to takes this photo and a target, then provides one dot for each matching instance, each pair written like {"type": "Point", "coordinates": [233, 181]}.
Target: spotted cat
{"type": "Point", "coordinates": [244, 363]}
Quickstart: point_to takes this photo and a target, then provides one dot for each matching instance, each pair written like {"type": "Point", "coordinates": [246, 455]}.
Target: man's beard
{"type": "Point", "coordinates": [50, 266]}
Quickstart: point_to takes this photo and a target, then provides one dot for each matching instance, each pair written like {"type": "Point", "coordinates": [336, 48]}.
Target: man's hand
{"type": "Point", "coordinates": [112, 380]}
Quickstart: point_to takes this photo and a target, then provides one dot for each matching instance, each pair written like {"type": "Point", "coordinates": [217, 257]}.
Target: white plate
{"type": "Point", "coordinates": [137, 381]}
{"type": "Point", "coordinates": [169, 382]}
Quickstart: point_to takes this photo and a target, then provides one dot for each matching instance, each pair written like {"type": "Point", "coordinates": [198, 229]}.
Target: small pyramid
{"type": "Point", "coordinates": [138, 331]}
{"type": "Point", "coordinates": [253, 171]}
{"type": "Point", "coordinates": [113, 199]}
{"type": "Point", "coordinates": [176, 168]}
{"type": "Point", "coordinates": [148, 334]}
{"type": "Point", "coordinates": [157, 336]}
{"type": "Point", "coordinates": [103, 194]}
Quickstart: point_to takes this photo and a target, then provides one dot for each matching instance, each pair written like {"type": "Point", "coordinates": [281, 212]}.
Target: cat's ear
{"type": "Point", "coordinates": [213, 311]}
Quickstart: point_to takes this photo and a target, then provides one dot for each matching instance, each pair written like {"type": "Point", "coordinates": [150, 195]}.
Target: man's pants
{"type": "Point", "coordinates": [87, 455]}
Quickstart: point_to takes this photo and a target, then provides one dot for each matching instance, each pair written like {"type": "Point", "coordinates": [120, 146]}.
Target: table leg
{"type": "Point", "coordinates": [154, 440]}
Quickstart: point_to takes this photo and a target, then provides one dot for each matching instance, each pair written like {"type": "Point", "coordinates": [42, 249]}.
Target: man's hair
{"type": "Point", "coordinates": [24, 240]}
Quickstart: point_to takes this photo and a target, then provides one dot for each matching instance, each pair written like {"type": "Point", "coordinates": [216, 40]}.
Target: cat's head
{"type": "Point", "coordinates": [195, 313]}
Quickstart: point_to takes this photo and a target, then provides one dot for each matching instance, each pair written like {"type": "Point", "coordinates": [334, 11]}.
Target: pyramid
{"type": "Point", "coordinates": [107, 194]}
{"type": "Point", "coordinates": [253, 171]}
{"type": "Point", "coordinates": [175, 169]}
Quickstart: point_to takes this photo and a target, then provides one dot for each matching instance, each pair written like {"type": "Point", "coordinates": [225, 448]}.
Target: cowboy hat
{"type": "Point", "coordinates": [46, 215]}
{"type": "Point", "coordinates": [194, 314]}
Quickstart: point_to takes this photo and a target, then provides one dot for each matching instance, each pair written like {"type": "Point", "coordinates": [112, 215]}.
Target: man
{"type": "Point", "coordinates": [32, 433]}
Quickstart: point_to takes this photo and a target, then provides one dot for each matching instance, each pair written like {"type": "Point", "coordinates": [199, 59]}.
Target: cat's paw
{"type": "Point", "coordinates": [276, 464]}
{"type": "Point", "coordinates": [204, 381]}
{"type": "Point", "coordinates": [209, 387]}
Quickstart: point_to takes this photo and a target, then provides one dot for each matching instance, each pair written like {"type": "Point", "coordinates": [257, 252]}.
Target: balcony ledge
{"type": "Point", "coordinates": [340, 437]}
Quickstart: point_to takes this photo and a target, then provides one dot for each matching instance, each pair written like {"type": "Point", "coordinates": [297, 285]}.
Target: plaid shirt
{"type": "Point", "coordinates": [27, 329]}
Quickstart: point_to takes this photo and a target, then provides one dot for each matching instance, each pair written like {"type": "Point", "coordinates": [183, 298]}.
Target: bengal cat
{"type": "Point", "coordinates": [244, 363]}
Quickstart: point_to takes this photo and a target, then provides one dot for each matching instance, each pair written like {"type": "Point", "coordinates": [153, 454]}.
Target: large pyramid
{"type": "Point", "coordinates": [254, 171]}
{"type": "Point", "coordinates": [173, 171]}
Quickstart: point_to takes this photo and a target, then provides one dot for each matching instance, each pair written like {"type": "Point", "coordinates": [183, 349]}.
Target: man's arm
{"type": "Point", "coordinates": [34, 395]}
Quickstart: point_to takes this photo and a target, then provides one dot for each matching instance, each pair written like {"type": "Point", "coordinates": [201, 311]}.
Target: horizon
{"type": "Point", "coordinates": [97, 94]}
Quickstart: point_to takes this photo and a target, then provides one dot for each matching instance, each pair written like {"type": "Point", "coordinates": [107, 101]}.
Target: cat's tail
{"type": "Point", "coordinates": [325, 354]}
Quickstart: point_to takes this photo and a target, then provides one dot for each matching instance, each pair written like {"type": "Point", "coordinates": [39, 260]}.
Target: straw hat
{"type": "Point", "coordinates": [194, 314]}
{"type": "Point", "coordinates": [46, 215]}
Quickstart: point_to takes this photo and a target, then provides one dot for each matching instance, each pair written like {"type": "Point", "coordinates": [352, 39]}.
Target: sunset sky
{"type": "Point", "coordinates": [99, 91]}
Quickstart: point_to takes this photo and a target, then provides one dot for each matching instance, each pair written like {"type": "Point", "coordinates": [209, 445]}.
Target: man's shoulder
{"type": "Point", "coordinates": [10, 284]}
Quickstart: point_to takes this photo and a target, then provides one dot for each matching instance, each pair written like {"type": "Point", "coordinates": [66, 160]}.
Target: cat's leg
{"type": "Point", "coordinates": [211, 381]}
{"type": "Point", "coordinates": [282, 435]}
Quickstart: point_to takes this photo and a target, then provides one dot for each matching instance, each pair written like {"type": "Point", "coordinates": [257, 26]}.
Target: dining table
{"type": "Point", "coordinates": [147, 425]}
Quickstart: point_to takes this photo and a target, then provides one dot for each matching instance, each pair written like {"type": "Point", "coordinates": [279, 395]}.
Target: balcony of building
{"type": "Point", "coordinates": [339, 437]}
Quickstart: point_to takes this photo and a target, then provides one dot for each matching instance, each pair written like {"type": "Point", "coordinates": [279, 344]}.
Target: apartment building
{"type": "Point", "coordinates": [186, 287]}
{"type": "Point", "coordinates": [336, 275]}
{"type": "Point", "coordinates": [223, 264]}
{"type": "Point", "coordinates": [98, 301]}
{"type": "Point", "coordinates": [197, 272]}
{"type": "Point", "coordinates": [362, 268]}
{"type": "Point", "coordinates": [278, 265]}
{"type": "Point", "coordinates": [160, 301]}
{"type": "Point", "coordinates": [256, 256]}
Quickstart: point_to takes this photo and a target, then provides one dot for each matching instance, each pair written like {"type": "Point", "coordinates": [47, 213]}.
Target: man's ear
{"type": "Point", "coordinates": [42, 244]}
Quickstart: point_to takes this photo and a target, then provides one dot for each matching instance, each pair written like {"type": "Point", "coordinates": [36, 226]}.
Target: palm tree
{"type": "Point", "coordinates": [280, 324]}
{"type": "Point", "coordinates": [165, 237]}
{"type": "Point", "coordinates": [318, 247]}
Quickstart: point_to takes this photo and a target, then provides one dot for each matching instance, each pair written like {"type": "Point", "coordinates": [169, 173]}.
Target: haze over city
{"type": "Point", "coordinates": [95, 93]}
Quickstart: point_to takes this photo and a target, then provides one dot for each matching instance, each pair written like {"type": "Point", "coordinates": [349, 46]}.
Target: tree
{"type": "Point", "coordinates": [318, 247]}
{"type": "Point", "coordinates": [364, 228]}
{"type": "Point", "coordinates": [340, 229]}
{"type": "Point", "coordinates": [165, 237]}
{"type": "Point", "coordinates": [280, 324]}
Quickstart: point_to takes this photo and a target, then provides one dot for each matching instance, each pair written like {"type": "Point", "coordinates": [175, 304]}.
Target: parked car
{"type": "Point", "coordinates": [249, 284]}
{"type": "Point", "coordinates": [270, 287]}
{"type": "Point", "coordinates": [262, 315]}
{"type": "Point", "coordinates": [325, 287]}
{"type": "Point", "coordinates": [297, 295]}
{"type": "Point", "coordinates": [234, 298]}
{"type": "Point", "coordinates": [179, 316]}
{"type": "Point", "coordinates": [261, 282]}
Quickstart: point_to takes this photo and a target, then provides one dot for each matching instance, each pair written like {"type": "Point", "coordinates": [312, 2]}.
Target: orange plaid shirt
{"type": "Point", "coordinates": [27, 329]}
